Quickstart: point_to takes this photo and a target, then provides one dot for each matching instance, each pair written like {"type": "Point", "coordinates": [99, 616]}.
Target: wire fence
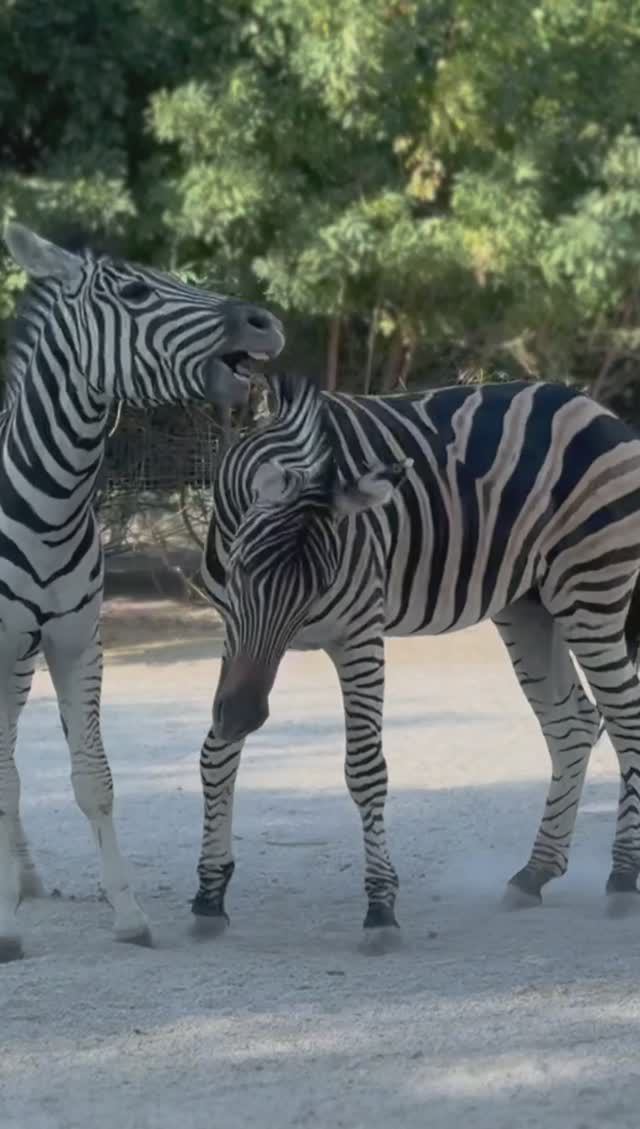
{"type": "Point", "coordinates": [148, 453]}
{"type": "Point", "coordinates": [156, 482]}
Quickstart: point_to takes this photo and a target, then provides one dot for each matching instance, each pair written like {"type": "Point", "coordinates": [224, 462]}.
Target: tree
{"type": "Point", "coordinates": [423, 184]}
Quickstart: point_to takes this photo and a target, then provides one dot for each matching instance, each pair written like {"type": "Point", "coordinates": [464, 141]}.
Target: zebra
{"type": "Point", "coordinates": [91, 329]}
{"type": "Point", "coordinates": [350, 518]}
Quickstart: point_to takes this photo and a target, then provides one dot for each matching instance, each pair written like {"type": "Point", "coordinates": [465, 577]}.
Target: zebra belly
{"type": "Point", "coordinates": [443, 623]}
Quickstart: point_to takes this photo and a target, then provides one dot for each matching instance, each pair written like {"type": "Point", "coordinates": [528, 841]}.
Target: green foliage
{"type": "Point", "coordinates": [448, 179]}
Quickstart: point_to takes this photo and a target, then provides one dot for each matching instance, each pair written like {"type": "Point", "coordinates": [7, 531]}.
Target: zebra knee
{"type": "Point", "coordinates": [93, 792]}
{"type": "Point", "coordinates": [591, 719]}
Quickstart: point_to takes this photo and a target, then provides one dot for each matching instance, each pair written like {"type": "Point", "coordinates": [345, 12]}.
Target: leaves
{"type": "Point", "coordinates": [462, 175]}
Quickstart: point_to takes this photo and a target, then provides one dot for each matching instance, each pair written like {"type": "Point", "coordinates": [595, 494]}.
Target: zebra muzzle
{"type": "Point", "coordinates": [241, 703]}
{"type": "Point", "coordinates": [223, 385]}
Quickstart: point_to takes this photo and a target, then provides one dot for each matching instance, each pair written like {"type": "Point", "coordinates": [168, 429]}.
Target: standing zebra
{"type": "Point", "coordinates": [90, 330]}
{"type": "Point", "coordinates": [516, 502]}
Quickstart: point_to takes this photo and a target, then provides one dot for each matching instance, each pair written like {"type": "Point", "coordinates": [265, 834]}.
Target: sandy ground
{"type": "Point", "coordinates": [484, 1019]}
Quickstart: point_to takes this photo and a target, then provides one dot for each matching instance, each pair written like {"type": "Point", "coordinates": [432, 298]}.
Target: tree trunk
{"type": "Point", "coordinates": [333, 353]}
{"type": "Point", "coordinates": [398, 362]}
{"type": "Point", "coordinates": [392, 362]}
{"type": "Point", "coordinates": [599, 386]}
{"type": "Point", "coordinates": [371, 348]}
{"type": "Point", "coordinates": [408, 349]}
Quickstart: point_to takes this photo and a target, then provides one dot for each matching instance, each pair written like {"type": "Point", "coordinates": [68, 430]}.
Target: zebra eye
{"type": "Point", "coordinates": [135, 291]}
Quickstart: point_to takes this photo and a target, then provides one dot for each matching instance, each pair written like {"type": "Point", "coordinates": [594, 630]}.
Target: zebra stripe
{"type": "Point", "coordinates": [521, 505]}
{"type": "Point", "coordinates": [90, 329]}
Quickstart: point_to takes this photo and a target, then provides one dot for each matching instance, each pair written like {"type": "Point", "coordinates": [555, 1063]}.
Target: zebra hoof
{"type": "Point", "coordinates": [378, 942]}
{"type": "Point", "coordinates": [10, 949]}
{"type": "Point", "coordinates": [31, 885]}
{"type": "Point", "coordinates": [209, 927]}
{"type": "Point", "coordinates": [210, 918]}
{"type": "Point", "coordinates": [623, 903]}
{"type": "Point", "coordinates": [141, 937]}
{"type": "Point", "coordinates": [515, 898]}
{"type": "Point", "coordinates": [381, 930]}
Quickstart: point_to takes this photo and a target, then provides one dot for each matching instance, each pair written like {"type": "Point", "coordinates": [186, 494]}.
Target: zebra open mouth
{"type": "Point", "coordinates": [244, 365]}
{"type": "Point", "coordinates": [227, 378]}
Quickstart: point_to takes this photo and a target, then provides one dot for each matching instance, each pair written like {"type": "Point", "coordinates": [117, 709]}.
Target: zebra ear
{"type": "Point", "coordinates": [272, 483]}
{"type": "Point", "coordinates": [38, 257]}
{"type": "Point", "coordinates": [375, 488]}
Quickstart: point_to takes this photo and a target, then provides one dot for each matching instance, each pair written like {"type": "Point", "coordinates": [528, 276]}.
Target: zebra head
{"type": "Point", "coordinates": [289, 549]}
{"type": "Point", "coordinates": [139, 335]}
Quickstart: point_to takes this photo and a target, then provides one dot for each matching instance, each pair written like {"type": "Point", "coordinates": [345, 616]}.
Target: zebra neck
{"type": "Point", "coordinates": [52, 447]}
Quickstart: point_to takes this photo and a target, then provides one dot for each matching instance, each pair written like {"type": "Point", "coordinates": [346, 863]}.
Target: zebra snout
{"type": "Point", "coordinates": [242, 700]}
{"type": "Point", "coordinates": [259, 319]}
{"type": "Point", "coordinates": [255, 331]}
{"type": "Point", "coordinates": [238, 714]}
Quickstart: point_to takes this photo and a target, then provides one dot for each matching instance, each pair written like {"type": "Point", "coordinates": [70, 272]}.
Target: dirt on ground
{"type": "Point", "coordinates": [483, 1019]}
{"type": "Point", "coordinates": [130, 623]}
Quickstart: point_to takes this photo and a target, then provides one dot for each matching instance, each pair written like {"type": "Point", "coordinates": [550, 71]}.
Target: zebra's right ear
{"type": "Point", "coordinates": [375, 488]}
{"type": "Point", "coordinates": [38, 257]}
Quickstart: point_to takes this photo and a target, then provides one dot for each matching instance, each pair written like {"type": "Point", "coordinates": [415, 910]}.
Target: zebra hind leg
{"type": "Point", "coordinates": [614, 682]}
{"type": "Point", "coordinates": [569, 722]}
{"type": "Point", "coordinates": [360, 667]}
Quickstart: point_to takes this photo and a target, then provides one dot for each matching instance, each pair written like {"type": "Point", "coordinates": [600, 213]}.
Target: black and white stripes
{"type": "Point", "coordinates": [350, 518]}
{"type": "Point", "coordinates": [89, 330]}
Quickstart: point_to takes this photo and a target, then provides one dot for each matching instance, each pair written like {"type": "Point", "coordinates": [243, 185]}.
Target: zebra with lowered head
{"type": "Point", "coordinates": [350, 518]}
{"type": "Point", "coordinates": [90, 329]}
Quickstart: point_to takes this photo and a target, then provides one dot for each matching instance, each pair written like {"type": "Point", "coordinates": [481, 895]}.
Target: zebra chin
{"type": "Point", "coordinates": [223, 385]}
{"type": "Point", "coordinates": [241, 703]}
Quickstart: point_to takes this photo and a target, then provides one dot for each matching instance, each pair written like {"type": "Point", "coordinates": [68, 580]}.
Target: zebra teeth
{"type": "Point", "coordinates": [258, 356]}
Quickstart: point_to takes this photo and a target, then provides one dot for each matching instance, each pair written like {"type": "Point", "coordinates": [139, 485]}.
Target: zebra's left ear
{"type": "Point", "coordinates": [38, 257]}
{"type": "Point", "coordinates": [375, 488]}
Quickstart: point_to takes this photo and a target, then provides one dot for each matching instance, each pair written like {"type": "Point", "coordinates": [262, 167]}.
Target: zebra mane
{"type": "Point", "coordinates": [33, 309]}
{"type": "Point", "coordinates": [298, 419]}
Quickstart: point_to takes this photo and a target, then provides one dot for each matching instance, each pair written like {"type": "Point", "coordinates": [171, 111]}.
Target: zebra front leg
{"type": "Point", "coordinates": [569, 722]}
{"type": "Point", "coordinates": [219, 763]}
{"type": "Point", "coordinates": [18, 876]}
{"type": "Point", "coordinates": [77, 678]}
{"type": "Point", "coordinates": [360, 667]}
{"type": "Point", "coordinates": [31, 885]}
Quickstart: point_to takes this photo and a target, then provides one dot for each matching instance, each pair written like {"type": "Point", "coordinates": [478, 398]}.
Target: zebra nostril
{"type": "Point", "coordinates": [259, 320]}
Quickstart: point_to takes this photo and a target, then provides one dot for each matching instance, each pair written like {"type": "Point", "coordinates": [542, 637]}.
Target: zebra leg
{"type": "Point", "coordinates": [219, 763]}
{"type": "Point", "coordinates": [614, 681]}
{"type": "Point", "coordinates": [30, 882]}
{"type": "Point", "coordinates": [18, 876]}
{"type": "Point", "coordinates": [569, 723]}
{"type": "Point", "coordinates": [77, 677]}
{"type": "Point", "coordinates": [360, 667]}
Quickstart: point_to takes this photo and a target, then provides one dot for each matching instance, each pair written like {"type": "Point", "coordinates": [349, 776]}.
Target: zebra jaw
{"type": "Point", "coordinates": [235, 371]}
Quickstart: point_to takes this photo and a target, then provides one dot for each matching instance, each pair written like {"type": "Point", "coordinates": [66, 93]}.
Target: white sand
{"type": "Point", "coordinates": [484, 1020]}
